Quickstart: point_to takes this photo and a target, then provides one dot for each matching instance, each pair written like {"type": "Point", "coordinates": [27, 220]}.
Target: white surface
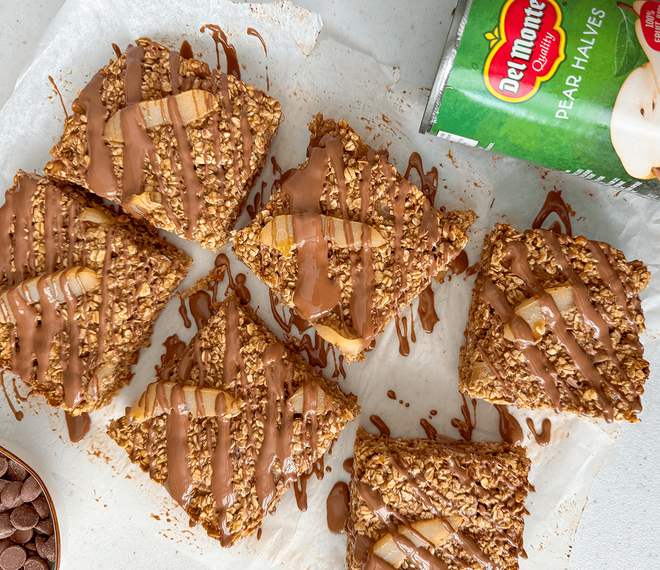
{"type": "Point", "coordinates": [623, 509]}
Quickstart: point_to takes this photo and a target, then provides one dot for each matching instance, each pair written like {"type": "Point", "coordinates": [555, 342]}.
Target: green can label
{"type": "Point", "coordinates": [574, 86]}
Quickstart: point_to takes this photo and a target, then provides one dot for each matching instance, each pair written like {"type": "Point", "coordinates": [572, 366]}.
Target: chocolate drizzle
{"type": "Point", "coordinates": [59, 95]}
{"type": "Point", "coordinates": [278, 427]}
{"type": "Point", "coordinates": [316, 293]}
{"type": "Point", "coordinates": [539, 365]}
{"type": "Point", "coordinates": [178, 472]}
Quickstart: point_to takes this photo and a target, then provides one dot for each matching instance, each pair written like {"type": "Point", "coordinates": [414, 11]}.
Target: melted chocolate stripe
{"type": "Point", "coordinates": [539, 365]}
{"type": "Point", "coordinates": [520, 266]}
{"type": "Point", "coordinates": [468, 543]}
{"type": "Point", "coordinates": [420, 557]}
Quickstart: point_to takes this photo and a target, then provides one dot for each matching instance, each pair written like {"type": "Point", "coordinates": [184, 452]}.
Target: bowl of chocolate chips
{"type": "Point", "coordinates": [29, 534]}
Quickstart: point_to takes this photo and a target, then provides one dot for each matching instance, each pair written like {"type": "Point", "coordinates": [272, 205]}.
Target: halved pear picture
{"type": "Point", "coordinates": [635, 123]}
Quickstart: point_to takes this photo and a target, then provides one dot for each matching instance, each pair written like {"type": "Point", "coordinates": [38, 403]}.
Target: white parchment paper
{"type": "Point", "coordinates": [112, 515]}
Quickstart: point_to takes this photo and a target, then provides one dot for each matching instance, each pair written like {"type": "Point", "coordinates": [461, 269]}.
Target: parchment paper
{"type": "Point", "coordinates": [112, 515]}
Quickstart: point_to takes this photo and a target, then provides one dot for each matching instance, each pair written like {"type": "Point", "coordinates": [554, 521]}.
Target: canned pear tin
{"type": "Point", "coordinates": [571, 85]}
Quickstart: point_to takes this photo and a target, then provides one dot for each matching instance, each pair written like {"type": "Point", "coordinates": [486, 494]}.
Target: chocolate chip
{"type": "Point", "coordinates": [3, 466]}
{"type": "Point", "coordinates": [46, 547]}
{"type": "Point", "coordinates": [24, 517]}
{"type": "Point", "coordinates": [6, 528]}
{"type": "Point", "coordinates": [40, 505]}
{"type": "Point", "coordinates": [31, 546]}
{"type": "Point", "coordinates": [13, 558]}
{"type": "Point", "coordinates": [30, 490]}
{"type": "Point", "coordinates": [34, 563]}
{"type": "Point", "coordinates": [4, 545]}
{"type": "Point", "coordinates": [11, 495]}
{"type": "Point", "coordinates": [45, 526]}
{"type": "Point", "coordinates": [16, 472]}
{"type": "Point", "coordinates": [22, 536]}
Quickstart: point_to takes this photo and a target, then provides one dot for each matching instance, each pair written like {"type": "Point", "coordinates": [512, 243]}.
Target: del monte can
{"type": "Point", "coordinates": [572, 85]}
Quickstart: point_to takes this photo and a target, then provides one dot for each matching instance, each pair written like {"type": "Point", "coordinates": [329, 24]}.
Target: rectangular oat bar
{"type": "Point", "coordinates": [347, 241]}
{"type": "Point", "coordinates": [555, 323]}
{"type": "Point", "coordinates": [169, 140]}
{"type": "Point", "coordinates": [80, 290]}
{"type": "Point", "coordinates": [232, 422]}
{"type": "Point", "coordinates": [419, 503]}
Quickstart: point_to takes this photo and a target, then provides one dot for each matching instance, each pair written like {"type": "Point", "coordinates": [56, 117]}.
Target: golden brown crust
{"type": "Point", "coordinates": [216, 143]}
{"type": "Point", "coordinates": [141, 277]}
{"type": "Point", "coordinates": [489, 496]}
{"type": "Point", "coordinates": [508, 379]}
{"type": "Point", "coordinates": [145, 442]}
{"type": "Point", "coordinates": [396, 283]}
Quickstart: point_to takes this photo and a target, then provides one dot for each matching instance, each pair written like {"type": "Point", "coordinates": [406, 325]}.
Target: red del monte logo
{"type": "Point", "coordinates": [526, 49]}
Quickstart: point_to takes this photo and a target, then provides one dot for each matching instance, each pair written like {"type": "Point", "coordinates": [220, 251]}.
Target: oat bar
{"type": "Point", "coordinates": [170, 140]}
{"type": "Point", "coordinates": [419, 503]}
{"type": "Point", "coordinates": [228, 456]}
{"type": "Point", "coordinates": [347, 241]}
{"type": "Point", "coordinates": [80, 289]}
{"type": "Point", "coordinates": [555, 323]}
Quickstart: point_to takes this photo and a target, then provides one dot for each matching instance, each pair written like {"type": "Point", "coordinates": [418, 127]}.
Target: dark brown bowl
{"type": "Point", "coordinates": [51, 505]}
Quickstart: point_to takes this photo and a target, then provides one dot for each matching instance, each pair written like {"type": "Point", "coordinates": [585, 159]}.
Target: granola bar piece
{"type": "Point", "coordinates": [555, 323]}
{"type": "Point", "coordinates": [169, 140]}
{"type": "Point", "coordinates": [80, 289]}
{"type": "Point", "coordinates": [347, 241]}
{"type": "Point", "coordinates": [229, 464]}
{"type": "Point", "coordinates": [451, 505]}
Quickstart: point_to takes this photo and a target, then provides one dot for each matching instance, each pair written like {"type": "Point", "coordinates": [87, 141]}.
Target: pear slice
{"type": "Point", "coordinates": [95, 216]}
{"type": "Point", "coordinates": [349, 345]}
{"type": "Point", "coordinates": [193, 105]}
{"type": "Point", "coordinates": [297, 401]}
{"type": "Point", "coordinates": [531, 311]}
{"type": "Point", "coordinates": [651, 54]}
{"type": "Point", "coordinates": [635, 123]}
{"type": "Point", "coordinates": [141, 205]}
{"type": "Point", "coordinates": [200, 402]}
{"type": "Point", "coordinates": [58, 287]}
{"type": "Point", "coordinates": [278, 233]}
{"type": "Point", "coordinates": [435, 531]}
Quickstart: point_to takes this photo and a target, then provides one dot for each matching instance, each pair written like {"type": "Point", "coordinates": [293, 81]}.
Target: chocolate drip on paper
{"type": "Point", "coordinates": [337, 510]}
{"type": "Point", "coordinates": [252, 32]}
{"type": "Point", "coordinates": [542, 438]}
{"type": "Point", "coordinates": [59, 95]}
{"type": "Point", "coordinates": [380, 425]}
{"type": "Point", "coordinates": [220, 39]}
{"type": "Point", "coordinates": [77, 426]}
{"type": "Point", "coordinates": [554, 203]}
{"type": "Point", "coordinates": [509, 427]}
{"type": "Point", "coordinates": [466, 426]}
